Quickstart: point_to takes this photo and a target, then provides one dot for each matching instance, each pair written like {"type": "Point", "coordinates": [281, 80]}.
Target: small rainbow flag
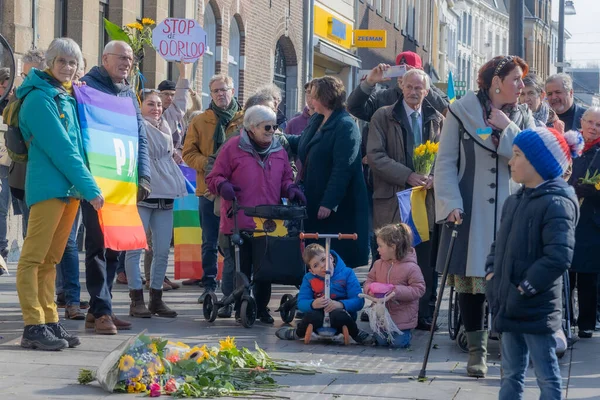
{"type": "Point", "coordinates": [188, 232]}
{"type": "Point", "coordinates": [414, 213]}
{"type": "Point", "coordinates": [109, 128]}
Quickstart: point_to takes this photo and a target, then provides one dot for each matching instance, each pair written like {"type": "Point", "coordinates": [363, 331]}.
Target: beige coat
{"type": "Point", "coordinates": [389, 153]}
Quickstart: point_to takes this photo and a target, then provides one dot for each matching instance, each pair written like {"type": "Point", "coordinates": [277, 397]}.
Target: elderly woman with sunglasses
{"type": "Point", "coordinates": [254, 168]}
{"type": "Point", "coordinates": [585, 267]}
{"type": "Point", "coordinates": [57, 179]}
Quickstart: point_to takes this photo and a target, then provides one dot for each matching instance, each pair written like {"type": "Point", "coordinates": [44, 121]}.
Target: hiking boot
{"type": "Point", "coordinates": [265, 317]}
{"type": "Point", "coordinates": [61, 302]}
{"type": "Point", "coordinates": [41, 337]}
{"type": "Point", "coordinates": [158, 307]}
{"type": "Point", "coordinates": [84, 305]}
{"type": "Point", "coordinates": [364, 338]}
{"type": "Point", "coordinates": [74, 312]}
{"type": "Point", "coordinates": [207, 290]}
{"type": "Point", "coordinates": [120, 324]}
{"type": "Point", "coordinates": [105, 325]}
{"type": "Point", "coordinates": [287, 333]}
{"type": "Point", "coordinates": [477, 342]}
{"type": "Point", "coordinates": [122, 278]}
{"type": "Point", "coordinates": [137, 307]}
{"type": "Point", "coordinates": [90, 321]}
{"type": "Point", "coordinates": [225, 311]}
{"type": "Point", "coordinates": [173, 285]}
{"type": "Point", "coordinates": [60, 332]}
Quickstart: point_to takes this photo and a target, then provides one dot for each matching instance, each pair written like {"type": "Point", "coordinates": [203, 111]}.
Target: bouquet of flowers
{"type": "Point", "coordinates": [424, 156]}
{"type": "Point", "coordinates": [155, 367]}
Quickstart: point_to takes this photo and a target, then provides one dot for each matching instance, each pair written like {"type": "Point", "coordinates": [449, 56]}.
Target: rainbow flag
{"type": "Point", "coordinates": [109, 128]}
{"type": "Point", "coordinates": [451, 93]}
{"type": "Point", "coordinates": [414, 213]}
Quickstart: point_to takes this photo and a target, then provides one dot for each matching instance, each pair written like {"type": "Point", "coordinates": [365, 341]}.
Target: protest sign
{"type": "Point", "coordinates": [179, 39]}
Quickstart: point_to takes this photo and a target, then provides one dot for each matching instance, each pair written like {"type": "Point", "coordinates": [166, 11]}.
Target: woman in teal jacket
{"type": "Point", "coordinates": [57, 179]}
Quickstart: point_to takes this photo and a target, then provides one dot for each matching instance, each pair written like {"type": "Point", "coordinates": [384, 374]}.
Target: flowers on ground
{"type": "Point", "coordinates": [227, 344]}
{"type": "Point", "coordinates": [127, 362]}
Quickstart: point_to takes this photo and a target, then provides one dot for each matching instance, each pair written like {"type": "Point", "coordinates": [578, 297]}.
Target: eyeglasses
{"type": "Point", "coordinates": [63, 63]}
{"type": "Point", "coordinates": [268, 127]}
{"type": "Point", "coordinates": [220, 90]}
{"type": "Point", "coordinates": [149, 91]}
{"type": "Point", "coordinates": [122, 58]}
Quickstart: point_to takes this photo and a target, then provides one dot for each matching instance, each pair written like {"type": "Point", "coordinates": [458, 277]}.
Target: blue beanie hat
{"type": "Point", "coordinates": [548, 151]}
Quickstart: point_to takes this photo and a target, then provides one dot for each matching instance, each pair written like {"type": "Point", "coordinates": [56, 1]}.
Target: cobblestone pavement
{"type": "Point", "coordinates": [383, 373]}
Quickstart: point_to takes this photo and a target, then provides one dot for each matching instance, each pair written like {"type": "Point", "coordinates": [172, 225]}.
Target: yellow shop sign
{"type": "Point", "coordinates": [334, 29]}
{"type": "Point", "coordinates": [375, 38]}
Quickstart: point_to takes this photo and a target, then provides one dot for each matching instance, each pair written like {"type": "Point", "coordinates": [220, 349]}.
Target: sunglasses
{"type": "Point", "coordinates": [268, 127]}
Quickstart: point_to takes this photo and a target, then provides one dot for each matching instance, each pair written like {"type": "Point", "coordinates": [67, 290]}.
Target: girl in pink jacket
{"type": "Point", "coordinates": [399, 269]}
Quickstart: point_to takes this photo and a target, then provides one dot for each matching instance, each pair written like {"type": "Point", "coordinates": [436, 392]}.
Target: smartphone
{"type": "Point", "coordinates": [395, 71]}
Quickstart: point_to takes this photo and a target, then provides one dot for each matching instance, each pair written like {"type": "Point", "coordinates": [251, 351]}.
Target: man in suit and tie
{"type": "Point", "coordinates": [395, 131]}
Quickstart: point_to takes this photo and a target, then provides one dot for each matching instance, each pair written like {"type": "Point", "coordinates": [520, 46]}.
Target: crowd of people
{"type": "Point", "coordinates": [507, 157]}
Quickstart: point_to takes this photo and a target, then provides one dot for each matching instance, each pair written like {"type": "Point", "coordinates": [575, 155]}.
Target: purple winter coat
{"type": "Point", "coordinates": [261, 181]}
{"type": "Point", "coordinates": [296, 125]}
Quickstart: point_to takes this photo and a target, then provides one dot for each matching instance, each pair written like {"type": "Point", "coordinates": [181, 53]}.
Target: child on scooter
{"type": "Point", "coordinates": [398, 268]}
{"type": "Point", "coordinates": [343, 305]}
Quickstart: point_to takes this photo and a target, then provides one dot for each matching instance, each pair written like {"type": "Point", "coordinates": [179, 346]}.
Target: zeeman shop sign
{"type": "Point", "coordinates": [374, 38]}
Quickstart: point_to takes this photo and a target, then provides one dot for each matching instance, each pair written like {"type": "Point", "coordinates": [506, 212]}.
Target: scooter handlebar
{"type": "Point", "coordinates": [339, 236]}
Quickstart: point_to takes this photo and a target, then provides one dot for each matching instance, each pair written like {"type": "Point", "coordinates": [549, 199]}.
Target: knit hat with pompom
{"type": "Point", "coordinates": [548, 151]}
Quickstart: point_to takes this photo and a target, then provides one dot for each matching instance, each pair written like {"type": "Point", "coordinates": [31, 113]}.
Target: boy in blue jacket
{"type": "Point", "coordinates": [533, 248]}
{"type": "Point", "coordinates": [343, 305]}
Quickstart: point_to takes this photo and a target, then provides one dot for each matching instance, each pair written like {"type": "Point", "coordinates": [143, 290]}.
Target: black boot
{"type": "Point", "coordinates": [158, 307]}
{"type": "Point", "coordinates": [60, 332]}
{"type": "Point", "coordinates": [137, 308]}
{"type": "Point", "coordinates": [41, 337]}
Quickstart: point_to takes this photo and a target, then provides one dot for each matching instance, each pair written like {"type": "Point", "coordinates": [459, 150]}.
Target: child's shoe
{"type": "Point", "coordinates": [287, 333]}
{"type": "Point", "coordinates": [364, 338]}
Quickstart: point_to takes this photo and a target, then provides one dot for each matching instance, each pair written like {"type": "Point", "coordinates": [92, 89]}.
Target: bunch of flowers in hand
{"type": "Point", "coordinates": [424, 156]}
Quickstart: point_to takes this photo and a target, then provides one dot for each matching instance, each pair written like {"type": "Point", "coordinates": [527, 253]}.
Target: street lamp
{"type": "Point", "coordinates": [564, 8]}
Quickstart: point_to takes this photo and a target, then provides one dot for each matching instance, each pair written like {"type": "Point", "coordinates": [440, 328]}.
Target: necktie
{"type": "Point", "coordinates": [415, 127]}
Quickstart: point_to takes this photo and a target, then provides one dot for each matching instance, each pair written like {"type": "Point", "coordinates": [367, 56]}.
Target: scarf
{"type": "Point", "coordinates": [68, 85]}
{"type": "Point", "coordinates": [589, 145]}
{"type": "Point", "coordinates": [542, 113]}
{"type": "Point", "coordinates": [486, 104]}
{"type": "Point", "coordinates": [224, 118]}
{"type": "Point", "coordinates": [262, 151]}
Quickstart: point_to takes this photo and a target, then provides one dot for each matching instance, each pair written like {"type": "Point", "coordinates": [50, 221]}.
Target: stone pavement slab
{"type": "Point", "coordinates": [382, 373]}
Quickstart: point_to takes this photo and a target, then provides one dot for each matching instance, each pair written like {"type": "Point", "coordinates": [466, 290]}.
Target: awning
{"type": "Point", "coordinates": [337, 54]}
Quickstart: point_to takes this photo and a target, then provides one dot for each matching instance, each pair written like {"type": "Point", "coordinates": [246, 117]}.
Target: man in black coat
{"type": "Point", "coordinates": [559, 92]}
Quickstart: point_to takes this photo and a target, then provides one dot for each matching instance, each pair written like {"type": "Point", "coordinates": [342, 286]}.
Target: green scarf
{"type": "Point", "coordinates": [224, 118]}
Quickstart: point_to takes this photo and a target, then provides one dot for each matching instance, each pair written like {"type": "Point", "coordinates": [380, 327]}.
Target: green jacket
{"type": "Point", "coordinates": [57, 165]}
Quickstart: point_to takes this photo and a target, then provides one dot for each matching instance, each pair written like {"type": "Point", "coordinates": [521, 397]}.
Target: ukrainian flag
{"type": "Point", "coordinates": [414, 213]}
{"type": "Point", "coordinates": [451, 94]}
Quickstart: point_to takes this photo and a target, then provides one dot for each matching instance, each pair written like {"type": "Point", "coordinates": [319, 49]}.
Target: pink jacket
{"type": "Point", "coordinates": [410, 286]}
{"type": "Point", "coordinates": [261, 181]}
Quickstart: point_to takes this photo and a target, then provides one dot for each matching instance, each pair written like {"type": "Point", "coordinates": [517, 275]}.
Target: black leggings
{"type": "Point", "coordinates": [472, 311]}
{"type": "Point", "coordinates": [588, 297]}
{"type": "Point", "coordinates": [338, 319]}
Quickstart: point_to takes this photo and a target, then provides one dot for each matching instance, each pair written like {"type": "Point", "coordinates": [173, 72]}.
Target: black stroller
{"type": "Point", "coordinates": [276, 259]}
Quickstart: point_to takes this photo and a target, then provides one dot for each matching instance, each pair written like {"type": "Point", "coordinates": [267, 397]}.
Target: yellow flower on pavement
{"type": "Point", "coordinates": [135, 25]}
{"type": "Point", "coordinates": [227, 344]}
{"type": "Point", "coordinates": [127, 362]}
{"type": "Point", "coordinates": [148, 21]}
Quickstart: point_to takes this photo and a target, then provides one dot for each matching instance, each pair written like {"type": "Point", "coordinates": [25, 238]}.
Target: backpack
{"type": "Point", "coordinates": [16, 145]}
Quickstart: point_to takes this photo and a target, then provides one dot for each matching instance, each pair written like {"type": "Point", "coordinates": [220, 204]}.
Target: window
{"type": "Point", "coordinates": [60, 18]}
{"type": "Point", "coordinates": [470, 33]}
{"type": "Point", "coordinates": [465, 28]}
{"type": "Point", "coordinates": [398, 13]}
{"type": "Point", "coordinates": [469, 74]}
{"type": "Point", "coordinates": [234, 53]}
{"type": "Point", "coordinates": [280, 75]}
{"type": "Point", "coordinates": [388, 9]}
{"type": "Point", "coordinates": [505, 45]}
{"type": "Point", "coordinates": [102, 35]}
{"type": "Point", "coordinates": [208, 59]}
{"type": "Point", "coordinates": [379, 6]}
{"type": "Point", "coordinates": [497, 46]}
{"type": "Point", "coordinates": [410, 18]}
{"type": "Point", "coordinates": [370, 3]}
{"type": "Point", "coordinates": [140, 10]}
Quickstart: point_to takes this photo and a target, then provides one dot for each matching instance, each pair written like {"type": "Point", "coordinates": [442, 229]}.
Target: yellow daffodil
{"type": "Point", "coordinates": [148, 21]}
{"type": "Point", "coordinates": [130, 389]}
{"type": "Point", "coordinates": [597, 186]}
{"type": "Point", "coordinates": [127, 362]}
{"type": "Point", "coordinates": [152, 347]}
{"type": "Point", "coordinates": [227, 344]}
{"type": "Point", "coordinates": [135, 25]}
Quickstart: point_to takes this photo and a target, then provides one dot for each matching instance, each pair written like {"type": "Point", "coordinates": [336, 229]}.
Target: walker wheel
{"type": "Point", "coordinates": [453, 314]}
{"type": "Point", "coordinates": [461, 340]}
{"type": "Point", "coordinates": [346, 335]}
{"type": "Point", "coordinates": [308, 334]}
{"type": "Point", "coordinates": [209, 307]}
{"type": "Point", "coordinates": [287, 311]}
{"type": "Point", "coordinates": [248, 312]}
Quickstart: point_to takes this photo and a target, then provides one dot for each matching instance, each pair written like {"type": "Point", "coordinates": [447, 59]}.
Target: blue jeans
{"type": "Point", "coordinates": [210, 240]}
{"type": "Point", "coordinates": [160, 222]}
{"type": "Point", "coordinates": [516, 350]}
{"type": "Point", "coordinates": [67, 271]}
{"type": "Point", "coordinates": [400, 341]}
{"type": "Point", "coordinates": [4, 205]}
{"type": "Point", "coordinates": [121, 266]}
{"type": "Point", "coordinates": [228, 266]}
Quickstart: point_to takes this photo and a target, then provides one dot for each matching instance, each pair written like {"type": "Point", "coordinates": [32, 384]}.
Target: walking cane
{"type": "Point", "coordinates": [422, 376]}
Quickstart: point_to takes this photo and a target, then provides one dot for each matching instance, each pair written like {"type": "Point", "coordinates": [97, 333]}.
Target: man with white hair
{"type": "Point", "coordinates": [111, 78]}
{"type": "Point", "coordinates": [394, 132]}
{"type": "Point", "coordinates": [559, 92]}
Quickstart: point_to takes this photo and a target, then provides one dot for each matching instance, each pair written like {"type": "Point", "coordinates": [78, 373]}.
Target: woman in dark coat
{"type": "Point", "coordinates": [329, 149]}
{"type": "Point", "coordinates": [585, 267]}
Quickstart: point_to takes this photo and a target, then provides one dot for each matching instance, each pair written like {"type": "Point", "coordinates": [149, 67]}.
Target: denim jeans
{"type": "Point", "coordinates": [400, 341]}
{"type": "Point", "coordinates": [67, 270]}
{"type": "Point", "coordinates": [228, 277]}
{"type": "Point", "coordinates": [210, 238]}
{"type": "Point", "coordinates": [516, 350]}
{"type": "Point", "coordinates": [4, 205]}
{"type": "Point", "coordinates": [160, 222]}
{"type": "Point", "coordinates": [121, 262]}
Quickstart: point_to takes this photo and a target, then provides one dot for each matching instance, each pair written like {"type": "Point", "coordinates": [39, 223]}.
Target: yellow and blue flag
{"type": "Point", "coordinates": [451, 93]}
{"type": "Point", "coordinates": [413, 212]}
